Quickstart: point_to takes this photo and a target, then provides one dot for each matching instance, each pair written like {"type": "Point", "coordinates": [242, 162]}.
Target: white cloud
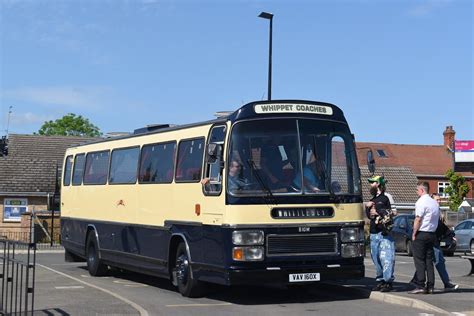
{"type": "Point", "coordinates": [70, 97]}
{"type": "Point", "coordinates": [29, 118]}
{"type": "Point", "coordinates": [426, 7]}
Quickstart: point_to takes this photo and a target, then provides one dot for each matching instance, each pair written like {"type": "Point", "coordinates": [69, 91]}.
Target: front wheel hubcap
{"type": "Point", "coordinates": [182, 268]}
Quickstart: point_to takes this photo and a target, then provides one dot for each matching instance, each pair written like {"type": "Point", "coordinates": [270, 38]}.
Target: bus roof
{"type": "Point", "coordinates": [268, 108]}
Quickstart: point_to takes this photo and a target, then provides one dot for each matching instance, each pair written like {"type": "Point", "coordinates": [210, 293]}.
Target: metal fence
{"type": "Point", "coordinates": [17, 277]}
{"type": "Point", "coordinates": [452, 218]}
{"type": "Point", "coordinates": [42, 230]}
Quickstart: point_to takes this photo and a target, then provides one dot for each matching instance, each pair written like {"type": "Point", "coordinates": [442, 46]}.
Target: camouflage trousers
{"type": "Point", "coordinates": [382, 251]}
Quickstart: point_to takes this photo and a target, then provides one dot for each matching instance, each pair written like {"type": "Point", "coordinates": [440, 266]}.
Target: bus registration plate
{"type": "Point", "coordinates": [304, 277]}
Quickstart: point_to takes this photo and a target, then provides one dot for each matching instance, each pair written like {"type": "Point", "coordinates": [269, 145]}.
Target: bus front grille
{"type": "Point", "coordinates": [301, 245]}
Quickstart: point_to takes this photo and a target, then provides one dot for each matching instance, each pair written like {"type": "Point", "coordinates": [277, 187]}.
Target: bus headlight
{"type": "Point", "coordinates": [352, 250]}
{"type": "Point", "coordinates": [352, 234]}
{"type": "Point", "coordinates": [247, 253]}
{"type": "Point", "coordinates": [247, 237]}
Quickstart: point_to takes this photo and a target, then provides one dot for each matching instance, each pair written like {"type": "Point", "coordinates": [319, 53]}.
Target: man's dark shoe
{"type": "Point", "coordinates": [378, 286]}
{"type": "Point", "coordinates": [451, 287]}
{"type": "Point", "coordinates": [429, 290]}
{"type": "Point", "coordinates": [387, 287]}
{"type": "Point", "coordinates": [418, 290]}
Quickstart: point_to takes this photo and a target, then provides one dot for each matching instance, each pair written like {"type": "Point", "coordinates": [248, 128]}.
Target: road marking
{"type": "Point", "coordinates": [458, 314]}
{"type": "Point", "coordinates": [140, 309]}
{"type": "Point", "coordinates": [425, 314]}
{"type": "Point", "coordinates": [85, 276]}
{"type": "Point", "coordinates": [67, 264]}
{"type": "Point", "coordinates": [130, 284]}
{"type": "Point", "coordinates": [68, 287]}
{"type": "Point", "coordinates": [199, 305]}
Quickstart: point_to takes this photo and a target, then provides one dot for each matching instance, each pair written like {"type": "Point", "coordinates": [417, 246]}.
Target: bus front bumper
{"type": "Point", "coordinates": [276, 275]}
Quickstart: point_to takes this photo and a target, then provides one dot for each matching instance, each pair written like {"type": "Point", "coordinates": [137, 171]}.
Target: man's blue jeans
{"type": "Point", "coordinates": [440, 265]}
{"type": "Point", "coordinates": [382, 251]}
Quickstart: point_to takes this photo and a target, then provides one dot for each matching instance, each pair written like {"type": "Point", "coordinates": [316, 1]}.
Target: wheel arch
{"type": "Point", "coordinates": [92, 228]}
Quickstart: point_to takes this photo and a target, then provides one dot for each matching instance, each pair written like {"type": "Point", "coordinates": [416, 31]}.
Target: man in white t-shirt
{"type": "Point", "coordinates": [424, 238]}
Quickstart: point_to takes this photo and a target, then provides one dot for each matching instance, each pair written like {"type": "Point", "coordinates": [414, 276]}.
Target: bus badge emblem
{"type": "Point", "coordinates": [304, 229]}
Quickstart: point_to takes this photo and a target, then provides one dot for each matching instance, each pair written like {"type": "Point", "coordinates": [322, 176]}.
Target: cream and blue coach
{"type": "Point", "coordinates": [270, 193]}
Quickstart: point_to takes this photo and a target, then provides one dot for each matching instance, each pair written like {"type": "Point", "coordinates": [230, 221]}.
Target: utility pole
{"type": "Point", "coordinates": [8, 120]}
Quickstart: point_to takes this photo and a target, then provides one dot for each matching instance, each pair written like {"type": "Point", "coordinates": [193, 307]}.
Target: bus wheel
{"type": "Point", "coordinates": [187, 285]}
{"type": "Point", "coordinates": [94, 264]}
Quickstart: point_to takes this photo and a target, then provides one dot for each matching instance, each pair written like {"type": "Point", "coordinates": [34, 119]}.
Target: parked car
{"type": "Point", "coordinates": [402, 231]}
{"type": "Point", "coordinates": [465, 235]}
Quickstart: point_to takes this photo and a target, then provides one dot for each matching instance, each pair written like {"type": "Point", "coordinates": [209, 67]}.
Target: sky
{"type": "Point", "coordinates": [401, 70]}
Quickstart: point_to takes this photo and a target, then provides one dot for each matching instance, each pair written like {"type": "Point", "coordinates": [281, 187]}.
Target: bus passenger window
{"type": "Point", "coordinates": [97, 166]}
{"type": "Point", "coordinates": [67, 171]}
{"type": "Point", "coordinates": [157, 163]}
{"type": "Point", "coordinates": [78, 169]}
{"type": "Point", "coordinates": [123, 165]}
{"type": "Point", "coordinates": [189, 164]}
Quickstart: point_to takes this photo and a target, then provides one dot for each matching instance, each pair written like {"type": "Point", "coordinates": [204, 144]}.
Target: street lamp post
{"type": "Point", "coordinates": [269, 16]}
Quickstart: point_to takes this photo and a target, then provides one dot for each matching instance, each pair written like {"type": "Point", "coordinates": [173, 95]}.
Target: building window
{"type": "Point", "coordinates": [442, 189]}
{"type": "Point", "coordinates": [13, 208]}
{"type": "Point", "coordinates": [381, 153]}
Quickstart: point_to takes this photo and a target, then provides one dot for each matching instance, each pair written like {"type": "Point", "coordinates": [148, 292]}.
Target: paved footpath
{"type": "Point", "coordinates": [460, 302]}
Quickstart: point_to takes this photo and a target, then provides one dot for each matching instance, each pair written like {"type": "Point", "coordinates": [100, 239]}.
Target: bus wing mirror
{"type": "Point", "coordinates": [371, 161]}
{"type": "Point", "coordinates": [213, 152]}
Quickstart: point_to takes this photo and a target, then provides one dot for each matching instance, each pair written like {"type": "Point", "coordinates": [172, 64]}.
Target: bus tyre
{"type": "Point", "coordinates": [94, 264]}
{"type": "Point", "coordinates": [409, 249]}
{"type": "Point", "coordinates": [187, 285]}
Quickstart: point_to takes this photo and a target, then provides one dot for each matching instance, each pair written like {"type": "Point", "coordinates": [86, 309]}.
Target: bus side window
{"type": "Point", "coordinates": [189, 163]}
{"type": "Point", "coordinates": [157, 163]}
{"type": "Point", "coordinates": [214, 163]}
{"type": "Point", "coordinates": [123, 165]}
{"type": "Point", "coordinates": [67, 171]}
{"type": "Point", "coordinates": [78, 170]}
{"type": "Point", "coordinates": [97, 167]}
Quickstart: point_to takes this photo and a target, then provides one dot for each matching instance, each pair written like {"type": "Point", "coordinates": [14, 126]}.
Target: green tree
{"type": "Point", "coordinates": [70, 125]}
{"type": "Point", "coordinates": [457, 190]}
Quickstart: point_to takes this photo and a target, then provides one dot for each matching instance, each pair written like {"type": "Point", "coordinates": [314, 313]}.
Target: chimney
{"type": "Point", "coordinates": [449, 134]}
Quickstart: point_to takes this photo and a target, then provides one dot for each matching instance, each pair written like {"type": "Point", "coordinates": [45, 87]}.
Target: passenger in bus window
{"type": "Point", "coordinates": [310, 182]}
{"type": "Point", "coordinates": [235, 180]}
{"type": "Point", "coordinates": [271, 163]}
{"type": "Point", "coordinates": [311, 179]}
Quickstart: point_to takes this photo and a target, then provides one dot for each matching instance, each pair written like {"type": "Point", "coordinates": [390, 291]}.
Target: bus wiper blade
{"type": "Point", "coordinates": [268, 193]}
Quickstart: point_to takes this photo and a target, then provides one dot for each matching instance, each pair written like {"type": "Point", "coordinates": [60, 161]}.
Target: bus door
{"type": "Point", "coordinates": [212, 208]}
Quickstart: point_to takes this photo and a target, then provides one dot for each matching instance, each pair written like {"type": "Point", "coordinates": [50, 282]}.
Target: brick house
{"type": "Point", "coordinates": [28, 176]}
{"type": "Point", "coordinates": [427, 162]}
